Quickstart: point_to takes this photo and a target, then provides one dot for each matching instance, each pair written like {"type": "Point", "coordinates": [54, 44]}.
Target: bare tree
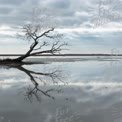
{"type": "Point", "coordinates": [34, 50]}
{"type": "Point", "coordinates": [38, 31]}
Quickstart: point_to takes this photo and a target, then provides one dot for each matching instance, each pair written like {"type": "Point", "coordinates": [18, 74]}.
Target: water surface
{"type": "Point", "coordinates": [84, 91]}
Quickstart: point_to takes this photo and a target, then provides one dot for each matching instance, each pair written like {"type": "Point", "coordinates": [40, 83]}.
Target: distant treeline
{"type": "Point", "coordinates": [65, 55]}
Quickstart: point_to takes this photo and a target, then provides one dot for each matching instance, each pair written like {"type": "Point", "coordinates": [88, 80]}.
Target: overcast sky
{"type": "Point", "coordinates": [89, 26]}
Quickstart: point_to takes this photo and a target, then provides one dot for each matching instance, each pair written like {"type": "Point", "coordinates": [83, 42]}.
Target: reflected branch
{"type": "Point", "coordinates": [34, 76]}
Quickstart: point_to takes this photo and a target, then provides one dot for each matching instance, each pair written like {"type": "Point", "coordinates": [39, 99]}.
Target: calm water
{"type": "Point", "coordinates": [81, 91]}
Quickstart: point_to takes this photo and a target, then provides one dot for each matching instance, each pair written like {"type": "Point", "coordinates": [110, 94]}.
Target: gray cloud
{"type": "Point", "coordinates": [62, 10]}
{"type": "Point", "coordinates": [12, 2]}
{"type": "Point", "coordinates": [60, 4]}
{"type": "Point", "coordinates": [67, 14]}
{"type": "Point", "coordinates": [5, 11]}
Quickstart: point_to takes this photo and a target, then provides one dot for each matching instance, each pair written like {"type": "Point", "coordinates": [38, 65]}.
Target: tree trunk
{"type": "Point", "coordinates": [21, 58]}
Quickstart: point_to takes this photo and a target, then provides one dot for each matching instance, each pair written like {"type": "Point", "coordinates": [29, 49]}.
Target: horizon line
{"type": "Point", "coordinates": [68, 54]}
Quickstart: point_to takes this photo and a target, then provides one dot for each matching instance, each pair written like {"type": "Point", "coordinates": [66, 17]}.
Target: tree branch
{"type": "Point", "coordinates": [54, 49]}
{"type": "Point", "coordinates": [44, 33]}
{"type": "Point", "coordinates": [44, 44]}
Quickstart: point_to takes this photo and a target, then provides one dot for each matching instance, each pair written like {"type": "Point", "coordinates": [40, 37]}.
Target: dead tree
{"type": "Point", "coordinates": [33, 35]}
{"type": "Point", "coordinates": [40, 32]}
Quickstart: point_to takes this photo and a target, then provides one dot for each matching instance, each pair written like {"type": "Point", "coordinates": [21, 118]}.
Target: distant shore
{"type": "Point", "coordinates": [65, 55]}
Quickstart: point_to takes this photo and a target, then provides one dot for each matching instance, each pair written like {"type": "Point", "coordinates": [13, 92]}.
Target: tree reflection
{"type": "Point", "coordinates": [55, 78]}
